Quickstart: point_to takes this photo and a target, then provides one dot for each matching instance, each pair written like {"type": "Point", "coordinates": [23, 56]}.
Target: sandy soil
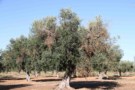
{"type": "Point", "coordinates": [50, 83]}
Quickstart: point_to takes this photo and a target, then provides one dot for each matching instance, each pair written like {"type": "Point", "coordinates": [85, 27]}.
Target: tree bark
{"type": "Point", "coordinates": [36, 73]}
{"type": "Point", "coordinates": [106, 72]}
{"type": "Point", "coordinates": [28, 76]}
{"type": "Point", "coordinates": [120, 73]}
{"type": "Point", "coordinates": [103, 75]}
{"type": "Point", "coordinates": [65, 84]}
{"type": "Point", "coordinates": [74, 73]}
{"type": "Point", "coordinates": [100, 76]}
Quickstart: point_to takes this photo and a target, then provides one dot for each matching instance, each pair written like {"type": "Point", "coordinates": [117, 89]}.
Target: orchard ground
{"type": "Point", "coordinates": [16, 81]}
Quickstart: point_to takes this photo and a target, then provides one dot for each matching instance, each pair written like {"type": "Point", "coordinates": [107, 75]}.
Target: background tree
{"type": "Point", "coordinates": [23, 61]}
{"type": "Point", "coordinates": [125, 66]}
{"type": "Point", "coordinates": [103, 62]}
{"type": "Point", "coordinates": [95, 41]}
{"type": "Point", "coordinates": [16, 56]}
{"type": "Point", "coordinates": [1, 62]}
{"type": "Point", "coordinates": [43, 31]}
{"type": "Point", "coordinates": [8, 61]}
{"type": "Point", "coordinates": [98, 49]}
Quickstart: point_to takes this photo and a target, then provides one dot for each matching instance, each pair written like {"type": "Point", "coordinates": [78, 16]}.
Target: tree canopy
{"type": "Point", "coordinates": [63, 44]}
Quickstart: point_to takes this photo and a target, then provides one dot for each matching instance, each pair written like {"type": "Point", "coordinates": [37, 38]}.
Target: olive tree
{"type": "Point", "coordinates": [125, 66]}
{"type": "Point", "coordinates": [98, 48]}
{"type": "Point", "coordinates": [67, 45]}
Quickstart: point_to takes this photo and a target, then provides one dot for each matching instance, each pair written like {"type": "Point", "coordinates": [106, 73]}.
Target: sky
{"type": "Point", "coordinates": [16, 17]}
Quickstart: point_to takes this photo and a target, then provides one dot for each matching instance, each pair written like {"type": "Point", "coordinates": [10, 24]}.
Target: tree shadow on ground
{"type": "Point", "coordinates": [47, 80]}
{"type": "Point", "coordinates": [1, 81]}
{"type": "Point", "coordinates": [9, 87]}
{"type": "Point", "coordinates": [10, 78]}
{"type": "Point", "coordinates": [113, 78]}
{"type": "Point", "coordinates": [94, 84]}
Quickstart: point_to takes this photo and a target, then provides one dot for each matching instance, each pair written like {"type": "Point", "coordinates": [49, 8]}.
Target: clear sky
{"type": "Point", "coordinates": [16, 17]}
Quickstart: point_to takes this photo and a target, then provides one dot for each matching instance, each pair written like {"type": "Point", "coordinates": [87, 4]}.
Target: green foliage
{"type": "Point", "coordinates": [125, 66]}
{"type": "Point", "coordinates": [68, 42]}
{"type": "Point", "coordinates": [67, 46]}
{"type": "Point", "coordinates": [98, 50]}
{"type": "Point", "coordinates": [69, 20]}
{"type": "Point", "coordinates": [1, 61]}
{"type": "Point", "coordinates": [100, 62]}
{"type": "Point", "coordinates": [63, 45]}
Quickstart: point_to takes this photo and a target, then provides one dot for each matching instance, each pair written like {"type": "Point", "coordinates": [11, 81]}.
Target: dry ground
{"type": "Point", "coordinates": [17, 82]}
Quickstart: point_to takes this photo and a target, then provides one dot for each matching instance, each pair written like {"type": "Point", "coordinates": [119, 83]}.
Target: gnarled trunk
{"type": "Point", "coordinates": [28, 76]}
{"type": "Point", "coordinates": [106, 72]}
{"type": "Point", "coordinates": [103, 75]}
{"type": "Point", "coordinates": [65, 84]}
{"type": "Point", "coordinates": [36, 73]}
{"type": "Point", "coordinates": [120, 73]}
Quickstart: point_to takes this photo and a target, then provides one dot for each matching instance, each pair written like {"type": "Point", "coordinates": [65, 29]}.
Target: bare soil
{"type": "Point", "coordinates": [50, 83]}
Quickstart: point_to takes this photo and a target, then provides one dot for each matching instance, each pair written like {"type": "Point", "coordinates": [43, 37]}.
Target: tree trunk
{"type": "Point", "coordinates": [36, 74]}
{"type": "Point", "coordinates": [57, 74]}
{"type": "Point", "coordinates": [120, 73]}
{"type": "Point", "coordinates": [103, 75]}
{"type": "Point", "coordinates": [100, 76]}
{"type": "Point", "coordinates": [65, 84]}
{"type": "Point", "coordinates": [106, 72]}
{"type": "Point", "coordinates": [28, 76]}
{"type": "Point", "coordinates": [74, 74]}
